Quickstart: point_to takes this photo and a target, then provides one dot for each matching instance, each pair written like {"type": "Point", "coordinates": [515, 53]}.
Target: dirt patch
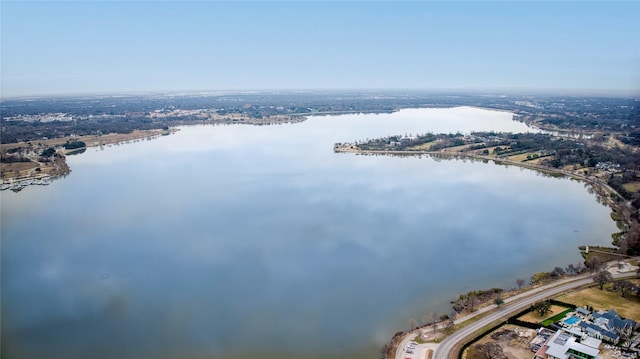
{"type": "Point", "coordinates": [427, 335]}
{"type": "Point", "coordinates": [512, 340]}
{"type": "Point", "coordinates": [504, 335]}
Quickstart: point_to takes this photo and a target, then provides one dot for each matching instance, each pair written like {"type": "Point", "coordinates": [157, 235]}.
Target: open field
{"type": "Point", "coordinates": [628, 307]}
{"type": "Point", "coordinates": [423, 147]}
{"type": "Point", "coordinates": [18, 168]}
{"type": "Point", "coordinates": [480, 151]}
{"type": "Point", "coordinates": [460, 148]}
{"type": "Point", "coordinates": [538, 160]}
{"type": "Point", "coordinates": [632, 186]}
{"type": "Point", "coordinates": [92, 140]}
{"type": "Point", "coordinates": [532, 317]}
{"type": "Point", "coordinates": [521, 157]}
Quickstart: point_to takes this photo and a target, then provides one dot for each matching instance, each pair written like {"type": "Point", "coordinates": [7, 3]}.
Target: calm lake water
{"type": "Point", "coordinates": [253, 242]}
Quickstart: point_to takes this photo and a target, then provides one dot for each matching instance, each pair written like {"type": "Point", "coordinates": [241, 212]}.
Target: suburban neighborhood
{"type": "Point", "coordinates": [582, 334]}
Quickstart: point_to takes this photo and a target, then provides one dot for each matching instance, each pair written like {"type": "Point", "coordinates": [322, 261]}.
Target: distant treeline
{"type": "Point", "coordinates": [123, 114]}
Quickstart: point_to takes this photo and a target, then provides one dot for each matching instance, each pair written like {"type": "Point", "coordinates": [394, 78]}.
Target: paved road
{"type": "Point", "coordinates": [443, 350]}
{"type": "Point", "coordinates": [511, 306]}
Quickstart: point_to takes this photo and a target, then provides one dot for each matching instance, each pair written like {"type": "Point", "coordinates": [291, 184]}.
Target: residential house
{"type": "Point", "coordinates": [598, 332]}
{"type": "Point", "coordinates": [613, 322]}
{"type": "Point", "coordinates": [563, 345]}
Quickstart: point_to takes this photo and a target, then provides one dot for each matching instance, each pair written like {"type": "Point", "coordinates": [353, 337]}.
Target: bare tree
{"type": "Point", "coordinates": [557, 272]}
{"type": "Point", "coordinates": [571, 269]}
{"type": "Point", "coordinates": [472, 301]}
{"type": "Point", "coordinates": [434, 316]}
{"type": "Point", "coordinates": [594, 264]}
{"type": "Point", "coordinates": [413, 323]}
{"type": "Point", "coordinates": [385, 351]}
{"type": "Point", "coordinates": [520, 282]}
{"type": "Point", "coordinates": [490, 351]}
{"type": "Point", "coordinates": [602, 277]}
{"type": "Point", "coordinates": [452, 318]}
{"type": "Point", "coordinates": [623, 286]}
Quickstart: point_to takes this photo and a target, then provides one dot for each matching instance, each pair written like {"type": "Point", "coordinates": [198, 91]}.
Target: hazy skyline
{"type": "Point", "coordinates": [56, 48]}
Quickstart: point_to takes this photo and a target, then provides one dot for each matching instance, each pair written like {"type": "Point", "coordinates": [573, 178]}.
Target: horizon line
{"type": "Point", "coordinates": [496, 91]}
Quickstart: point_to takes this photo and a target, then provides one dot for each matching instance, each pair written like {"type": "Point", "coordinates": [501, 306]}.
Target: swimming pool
{"type": "Point", "coordinates": [572, 320]}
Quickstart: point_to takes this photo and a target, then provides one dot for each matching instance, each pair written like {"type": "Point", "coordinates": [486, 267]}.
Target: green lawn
{"type": "Point", "coordinates": [556, 317]}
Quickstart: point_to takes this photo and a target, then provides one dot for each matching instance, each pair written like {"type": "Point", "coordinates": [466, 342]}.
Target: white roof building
{"type": "Point", "coordinates": [563, 345]}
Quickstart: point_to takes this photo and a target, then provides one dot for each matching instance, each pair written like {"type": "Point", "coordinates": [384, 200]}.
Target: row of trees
{"type": "Point", "coordinates": [470, 301]}
{"type": "Point", "coordinates": [555, 273]}
{"type": "Point", "coordinates": [603, 277]}
{"type": "Point", "coordinates": [600, 275]}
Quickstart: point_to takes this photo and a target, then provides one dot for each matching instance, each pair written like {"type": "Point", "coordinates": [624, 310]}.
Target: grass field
{"type": "Point", "coordinates": [423, 147]}
{"type": "Point", "coordinates": [521, 157]}
{"type": "Point", "coordinates": [533, 317]}
{"type": "Point", "coordinates": [628, 307]}
{"type": "Point", "coordinates": [632, 186]}
{"type": "Point", "coordinates": [455, 149]}
{"type": "Point", "coordinates": [17, 168]}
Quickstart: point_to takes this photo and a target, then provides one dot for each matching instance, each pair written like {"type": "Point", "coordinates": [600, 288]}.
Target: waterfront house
{"type": "Point", "coordinates": [611, 321]}
{"type": "Point", "coordinates": [563, 345]}
{"type": "Point", "coordinates": [583, 313]}
{"type": "Point", "coordinates": [598, 332]}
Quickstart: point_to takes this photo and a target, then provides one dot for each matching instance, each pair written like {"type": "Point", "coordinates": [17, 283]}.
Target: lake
{"type": "Point", "coordinates": [260, 241]}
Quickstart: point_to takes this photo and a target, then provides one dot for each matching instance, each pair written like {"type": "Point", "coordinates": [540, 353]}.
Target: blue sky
{"type": "Point", "coordinates": [105, 47]}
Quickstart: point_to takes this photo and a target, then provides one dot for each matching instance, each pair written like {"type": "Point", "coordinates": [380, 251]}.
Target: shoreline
{"type": "Point", "coordinates": [36, 176]}
{"type": "Point", "coordinates": [102, 140]}
{"type": "Point", "coordinates": [605, 190]}
{"type": "Point", "coordinates": [59, 167]}
{"type": "Point", "coordinates": [394, 348]}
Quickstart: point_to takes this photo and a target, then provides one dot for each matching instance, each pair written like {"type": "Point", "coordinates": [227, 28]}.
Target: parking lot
{"type": "Point", "coordinates": [413, 350]}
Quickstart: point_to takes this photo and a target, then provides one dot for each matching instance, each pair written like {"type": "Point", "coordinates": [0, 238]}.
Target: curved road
{"type": "Point", "coordinates": [443, 350]}
{"type": "Point", "coordinates": [511, 306]}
